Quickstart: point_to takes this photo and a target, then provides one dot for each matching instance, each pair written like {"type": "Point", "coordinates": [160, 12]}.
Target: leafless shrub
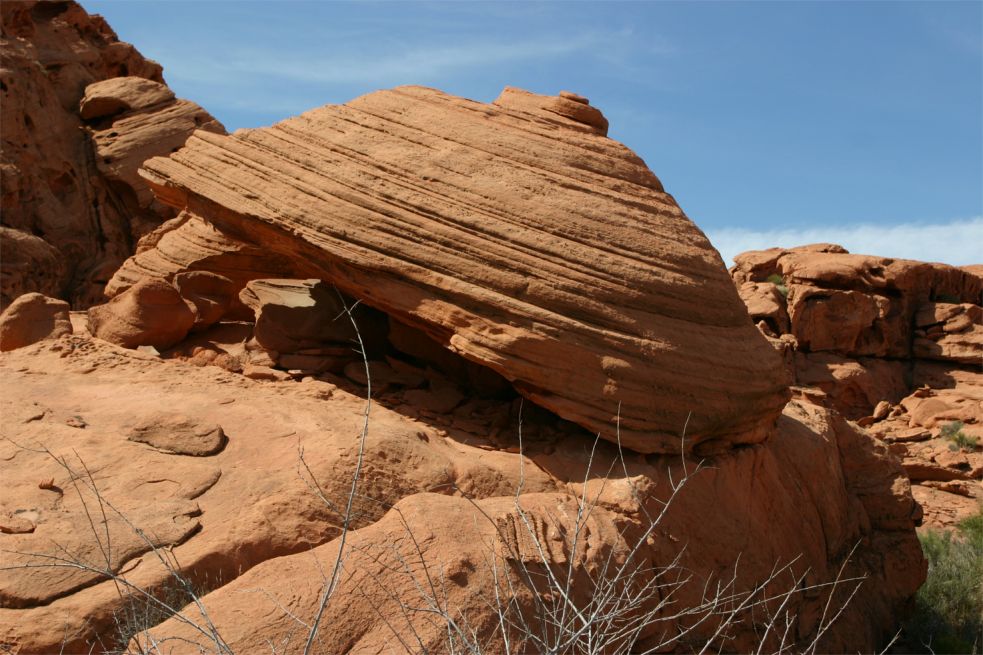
{"type": "Point", "coordinates": [627, 604]}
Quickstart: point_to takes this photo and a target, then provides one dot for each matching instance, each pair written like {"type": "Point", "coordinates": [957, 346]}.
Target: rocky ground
{"type": "Point", "coordinates": [241, 482]}
{"type": "Point", "coordinates": [422, 374]}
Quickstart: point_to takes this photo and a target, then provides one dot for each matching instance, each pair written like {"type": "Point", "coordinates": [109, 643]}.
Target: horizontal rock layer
{"type": "Point", "coordinates": [514, 233]}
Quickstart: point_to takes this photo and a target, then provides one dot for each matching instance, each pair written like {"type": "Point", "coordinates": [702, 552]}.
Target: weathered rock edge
{"type": "Point", "coordinates": [81, 111]}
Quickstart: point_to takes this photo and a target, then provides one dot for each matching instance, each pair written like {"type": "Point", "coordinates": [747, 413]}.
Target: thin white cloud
{"type": "Point", "coordinates": [957, 242]}
{"type": "Point", "coordinates": [376, 68]}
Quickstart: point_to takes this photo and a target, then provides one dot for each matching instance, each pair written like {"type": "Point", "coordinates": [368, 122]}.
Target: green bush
{"type": "Point", "coordinates": [948, 614]}
{"type": "Point", "coordinates": [779, 282]}
{"type": "Point", "coordinates": [953, 432]}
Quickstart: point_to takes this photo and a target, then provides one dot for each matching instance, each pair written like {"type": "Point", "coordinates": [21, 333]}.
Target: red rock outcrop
{"type": "Point", "coordinates": [895, 344]}
{"type": "Point", "coordinates": [483, 251]}
{"type": "Point", "coordinates": [241, 517]}
{"type": "Point", "coordinates": [72, 206]}
{"type": "Point", "coordinates": [514, 234]}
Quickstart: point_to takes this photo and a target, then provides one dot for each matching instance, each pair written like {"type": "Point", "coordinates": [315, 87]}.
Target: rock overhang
{"type": "Point", "coordinates": [515, 234]}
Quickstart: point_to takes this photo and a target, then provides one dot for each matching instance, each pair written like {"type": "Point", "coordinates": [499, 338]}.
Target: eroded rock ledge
{"type": "Point", "coordinates": [895, 344]}
{"type": "Point", "coordinates": [514, 234]}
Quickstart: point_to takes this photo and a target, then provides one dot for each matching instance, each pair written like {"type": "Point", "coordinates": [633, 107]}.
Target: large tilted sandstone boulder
{"type": "Point", "coordinates": [515, 234]}
{"type": "Point", "coordinates": [81, 111]}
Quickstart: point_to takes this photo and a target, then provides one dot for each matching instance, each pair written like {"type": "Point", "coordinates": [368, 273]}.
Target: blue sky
{"type": "Point", "coordinates": [772, 123]}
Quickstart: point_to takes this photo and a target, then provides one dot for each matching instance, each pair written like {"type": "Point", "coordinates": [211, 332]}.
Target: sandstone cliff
{"type": "Point", "coordinates": [72, 207]}
{"type": "Point", "coordinates": [894, 344]}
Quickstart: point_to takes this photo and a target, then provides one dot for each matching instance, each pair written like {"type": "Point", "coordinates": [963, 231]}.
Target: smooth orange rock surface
{"type": "Point", "coordinates": [514, 234]}
{"type": "Point", "coordinates": [118, 95]}
{"type": "Point", "coordinates": [251, 530]}
{"type": "Point", "coordinates": [151, 313]}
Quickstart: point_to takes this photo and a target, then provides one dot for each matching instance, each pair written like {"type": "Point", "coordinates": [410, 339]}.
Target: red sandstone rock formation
{"type": "Point", "coordinates": [151, 313]}
{"type": "Point", "coordinates": [515, 234]}
{"type": "Point", "coordinates": [72, 206]}
{"type": "Point", "coordinates": [896, 344]}
{"type": "Point", "coordinates": [500, 247]}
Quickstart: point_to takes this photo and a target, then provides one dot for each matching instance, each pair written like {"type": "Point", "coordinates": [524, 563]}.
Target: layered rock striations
{"type": "Point", "coordinates": [81, 111]}
{"type": "Point", "coordinates": [515, 234]}
{"type": "Point", "coordinates": [895, 344]}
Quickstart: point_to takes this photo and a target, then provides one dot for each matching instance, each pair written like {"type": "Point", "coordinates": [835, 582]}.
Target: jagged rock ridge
{"type": "Point", "coordinates": [895, 344]}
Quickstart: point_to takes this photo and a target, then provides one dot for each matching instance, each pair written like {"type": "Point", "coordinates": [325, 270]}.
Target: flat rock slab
{"type": "Point", "coordinates": [180, 435]}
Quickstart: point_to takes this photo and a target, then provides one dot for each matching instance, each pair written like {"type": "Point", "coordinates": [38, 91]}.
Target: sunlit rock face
{"type": "Point", "coordinates": [895, 344]}
{"type": "Point", "coordinates": [514, 233]}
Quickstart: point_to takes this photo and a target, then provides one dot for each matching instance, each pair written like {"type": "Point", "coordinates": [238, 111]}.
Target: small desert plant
{"type": "Point", "coordinates": [779, 283]}
{"type": "Point", "coordinates": [948, 614]}
{"type": "Point", "coordinates": [953, 433]}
